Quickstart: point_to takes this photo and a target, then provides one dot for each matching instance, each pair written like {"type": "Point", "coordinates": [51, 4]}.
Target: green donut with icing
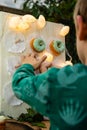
{"type": "Point", "coordinates": [58, 46]}
{"type": "Point", "coordinates": [39, 45]}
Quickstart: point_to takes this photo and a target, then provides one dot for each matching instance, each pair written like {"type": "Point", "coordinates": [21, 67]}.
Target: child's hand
{"type": "Point", "coordinates": [44, 66]}
{"type": "Point", "coordinates": [33, 60]}
{"type": "Point", "coordinates": [63, 64]}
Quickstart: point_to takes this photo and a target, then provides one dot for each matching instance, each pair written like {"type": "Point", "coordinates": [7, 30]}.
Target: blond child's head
{"type": "Point", "coordinates": [80, 18]}
{"type": "Point", "coordinates": [81, 9]}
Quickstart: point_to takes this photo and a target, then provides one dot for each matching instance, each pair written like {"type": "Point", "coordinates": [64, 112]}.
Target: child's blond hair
{"type": "Point", "coordinates": [81, 9]}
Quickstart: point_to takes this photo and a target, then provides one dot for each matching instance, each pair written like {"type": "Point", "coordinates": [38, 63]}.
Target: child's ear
{"type": "Point", "coordinates": [82, 28]}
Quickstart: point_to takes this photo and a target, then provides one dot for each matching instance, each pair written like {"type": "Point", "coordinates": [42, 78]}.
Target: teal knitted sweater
{"type": "Point", "coordinates": [60, 94]}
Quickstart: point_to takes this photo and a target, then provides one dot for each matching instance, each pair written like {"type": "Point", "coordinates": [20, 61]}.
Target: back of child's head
{"type": "Point", "coordinates": [81, 9]}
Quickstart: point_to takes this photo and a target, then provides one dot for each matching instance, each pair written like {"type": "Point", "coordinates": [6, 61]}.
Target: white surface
{"type": "Point", "coordinates": [14, 42]}
{"type": "Point", "coordinates": [9, 96]}
{"type": "Point", "coordinates": [2, 23]}
{"type": "Point", "coordinates": [49, 33]}
{"type": "Point", "coordinates": [12, 62]}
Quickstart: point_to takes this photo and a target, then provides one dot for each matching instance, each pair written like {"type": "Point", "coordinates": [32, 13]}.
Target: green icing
{"type": "Point", "coordinates": [39, 45]}
{"type": "Point", "coordinates": [59, 46]}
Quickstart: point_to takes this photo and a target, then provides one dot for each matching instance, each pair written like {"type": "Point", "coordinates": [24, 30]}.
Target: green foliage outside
{"type": "Point", "coordinates": [59, 11]}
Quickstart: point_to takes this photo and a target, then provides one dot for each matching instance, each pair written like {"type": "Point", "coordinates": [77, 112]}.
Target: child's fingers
{"type": "Point", "coordinates": [39, 61]}
{"type": "Point", "coordinates": [43, 59]}
{"type": "Point", "coordinates": [34, 55]}
{"type": "Point", "coordinates": [48, 64]}
{"type": "Point", "coordinates": [29, 54]}
{"type": "Point", "coordinates": [22, 58]}
{"type": "Point", "coordinates": [43, 69]}
{"type": "Point", "coordinates": [17, 66]}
